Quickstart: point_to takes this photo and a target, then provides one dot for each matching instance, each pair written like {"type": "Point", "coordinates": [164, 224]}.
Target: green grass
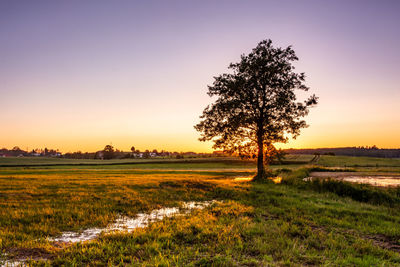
{"type": "Point", "coordinates": [255, 224]}
{"type": "Point", "coordinates": [346, 161]}
{"type": "Point", "coordinates": [187, 163]}
{"type": "Point", "coordinates": [45, 161]}
{"type": "Point", "coordinates": [359, 192]}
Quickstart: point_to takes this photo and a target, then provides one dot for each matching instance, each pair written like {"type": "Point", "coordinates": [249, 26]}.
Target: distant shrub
{"type": "Point", "coordinates": [327, 169]}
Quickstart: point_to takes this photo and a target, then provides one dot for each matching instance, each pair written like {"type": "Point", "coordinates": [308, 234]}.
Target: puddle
{"type": "Point", "coordinates": [129, 224]}
{"type": "Point", "coordinates": [19, 261]}
{"type": "Point", "coordinates": [376, 180]}
{"type": "Point", "coordinates": [126, 224]}
{"type": "Point", "coordinates": [14, 263]}
{"type": "Point", "coordinates": [22, 262]}
{"type": "Point", "coordinates": [373, 180]}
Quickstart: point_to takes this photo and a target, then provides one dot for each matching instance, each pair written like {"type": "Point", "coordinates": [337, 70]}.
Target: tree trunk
{"type": "Point", "coordinates": [261, 175]}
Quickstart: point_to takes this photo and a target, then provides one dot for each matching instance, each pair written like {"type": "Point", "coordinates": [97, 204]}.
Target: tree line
{"type": "Point", "coordinates": [108, 152]}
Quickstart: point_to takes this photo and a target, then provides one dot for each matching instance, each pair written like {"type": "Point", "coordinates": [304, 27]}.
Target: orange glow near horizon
{"type": "Point", "coordinates": [69, 131]}
{"type": "Point", "coordinates": [153, 129]}
{"type": "Point", "coordinates": [316, 136]}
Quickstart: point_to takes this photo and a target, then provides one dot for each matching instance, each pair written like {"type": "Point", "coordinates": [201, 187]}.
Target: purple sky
{"type": "Point", "coordinates": [81, 74]}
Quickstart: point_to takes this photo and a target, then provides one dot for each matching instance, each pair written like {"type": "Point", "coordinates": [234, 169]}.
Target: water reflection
{"type": "Point", "coordinates": [376, 180]}
{"type": "Point", "coordinates": [129, 224]}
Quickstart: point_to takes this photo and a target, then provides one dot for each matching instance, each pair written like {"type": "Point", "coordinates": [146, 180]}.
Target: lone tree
{"type": "Point", "coordinates": [108, 152]}
{"type": "Point", "coordinates": [256, 104]}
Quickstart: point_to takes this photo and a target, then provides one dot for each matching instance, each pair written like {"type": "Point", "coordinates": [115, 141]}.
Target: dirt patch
{"type": "Point", "coordinates": [379, 240]}
{"type": "Point", "coordinates": [383, 241]}
{"type": "Point", "coordinates": [199, 185]}
{"type": "Point", "coordinates": [19, 256]}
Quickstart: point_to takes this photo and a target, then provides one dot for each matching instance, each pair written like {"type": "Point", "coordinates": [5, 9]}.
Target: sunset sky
{"type": "Point", "coordinates": [78, 75]}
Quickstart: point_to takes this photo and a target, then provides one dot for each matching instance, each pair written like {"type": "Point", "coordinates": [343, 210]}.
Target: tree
{"type": "Point", "coordinates": [146, 154]}
{"type": "Point", "coordinates": [132, 155]}
{"type": "Point", "coordinates": [256, 104]}
{"type": "Point", "coordinates": [108, 152]}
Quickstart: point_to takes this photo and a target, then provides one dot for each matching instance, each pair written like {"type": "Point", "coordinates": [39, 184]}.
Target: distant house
{"type": "Point", "coordinates": [137, 155]}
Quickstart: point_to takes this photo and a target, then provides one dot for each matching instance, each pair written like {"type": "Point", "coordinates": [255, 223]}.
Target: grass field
{"type": "Point", "coordinates": [293, 223]}
{"type": "Point", "coordinates": [219, 162]}
{"type": "Point", "coordinates": [358, 161]}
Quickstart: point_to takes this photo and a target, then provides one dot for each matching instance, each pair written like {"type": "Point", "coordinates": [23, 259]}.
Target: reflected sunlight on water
{"type": "Point", "coordinates": [373, 180]}
{"type": "Point", "coordinates": [129, 224]}
{"type": "Point", "coordinates": [125, 224]}
{"type": "Point", "coordinates": [376, 180]}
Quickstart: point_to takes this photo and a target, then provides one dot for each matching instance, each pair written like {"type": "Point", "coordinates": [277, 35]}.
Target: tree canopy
{"type": "Point", "coordinates": [256, 103]}
{"type": "Point", "coordinates": [108, 152]}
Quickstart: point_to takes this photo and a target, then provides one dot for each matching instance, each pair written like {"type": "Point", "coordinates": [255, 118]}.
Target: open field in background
{"type": "Point", "coordinates": [138, 163]}
{"type": "Point", "coordinates": [295, 222]}
{"type": "Point", "coordinates": [40, 161]}
{"type": "Point", "coordinates": [343, 161]}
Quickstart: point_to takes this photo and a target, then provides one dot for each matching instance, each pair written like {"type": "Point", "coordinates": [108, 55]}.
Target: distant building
{"type": "Point", "coordinates": [137, 155]}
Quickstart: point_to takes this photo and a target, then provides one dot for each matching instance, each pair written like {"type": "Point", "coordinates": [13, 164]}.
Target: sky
{"type": "Point", "coordinates": [78, 75]}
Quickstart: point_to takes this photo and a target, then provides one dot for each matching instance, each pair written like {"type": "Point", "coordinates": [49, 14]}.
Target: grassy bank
{"type": "Point", "coordinates": [360, 192]}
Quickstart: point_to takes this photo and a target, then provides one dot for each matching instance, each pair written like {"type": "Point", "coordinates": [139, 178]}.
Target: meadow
{"type": "Point", "coordinates": [291, 223]}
